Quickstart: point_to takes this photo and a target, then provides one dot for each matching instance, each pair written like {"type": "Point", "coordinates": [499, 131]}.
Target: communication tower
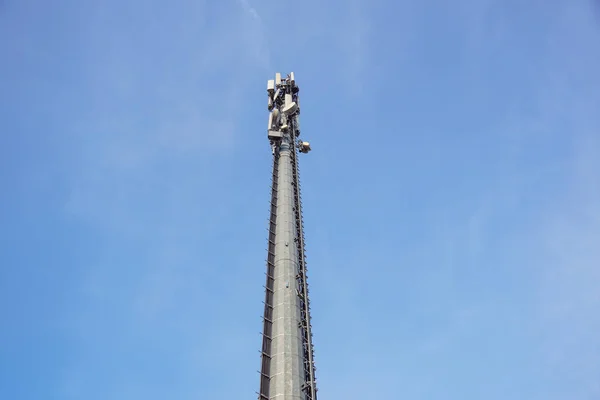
{"type": "Point", "coordinates": [287, 367]}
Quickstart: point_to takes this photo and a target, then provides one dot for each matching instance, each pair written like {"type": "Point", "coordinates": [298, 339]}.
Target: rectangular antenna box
{"type": "Point", "coordinates": [275, 135]}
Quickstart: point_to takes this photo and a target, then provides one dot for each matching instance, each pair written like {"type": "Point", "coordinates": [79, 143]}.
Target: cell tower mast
{"type": "Point", "coordinates": [288, 368]}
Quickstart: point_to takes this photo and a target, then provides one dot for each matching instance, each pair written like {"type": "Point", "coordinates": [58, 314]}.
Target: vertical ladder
{"type": "Point", "coordinates": [309, 386]}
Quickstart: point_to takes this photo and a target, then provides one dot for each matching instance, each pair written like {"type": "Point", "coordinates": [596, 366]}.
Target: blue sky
{"type": "Point", "coordinates": [451, 199]}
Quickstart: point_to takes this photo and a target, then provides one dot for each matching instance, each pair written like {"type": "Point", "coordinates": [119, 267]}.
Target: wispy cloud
{"type": "Point", "coordinates": [255, 37]}
{"type": "Point", "coordinates": [249, 9]}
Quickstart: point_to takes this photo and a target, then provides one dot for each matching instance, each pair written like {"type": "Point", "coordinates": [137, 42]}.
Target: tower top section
{"type": "Point", "coordinates": [278, 86]}
{"type": "Point", "coordinates": [284, 110]}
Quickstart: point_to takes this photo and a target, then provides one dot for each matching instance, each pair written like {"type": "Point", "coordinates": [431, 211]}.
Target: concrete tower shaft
{"type": "Point", "coordinates": [287, 370]}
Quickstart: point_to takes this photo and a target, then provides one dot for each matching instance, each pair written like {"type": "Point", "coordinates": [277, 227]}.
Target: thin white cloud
{"type": "Point", "coordinates": [255, 38]}
{"type": "Point", "coordinates": [249, 9]}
